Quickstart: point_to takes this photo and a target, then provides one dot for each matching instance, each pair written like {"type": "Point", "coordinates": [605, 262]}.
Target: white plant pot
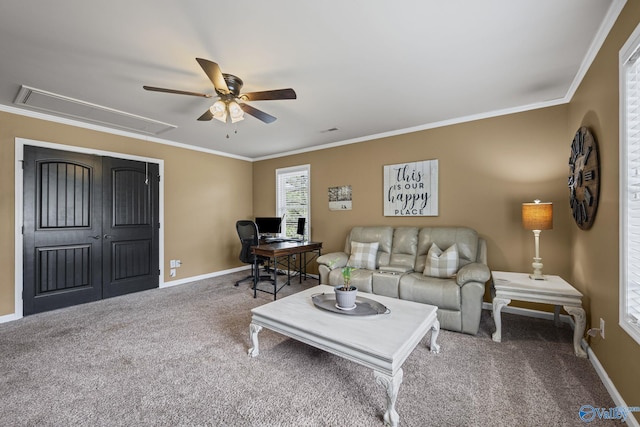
{"type": "Point", "coordinates": [346, 299]}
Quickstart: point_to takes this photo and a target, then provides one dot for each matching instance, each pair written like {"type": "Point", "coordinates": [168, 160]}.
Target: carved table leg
{"type": "Point", "coordinates": [435, 330]}
{"type": "Point", "coordinates": [498, 303]}
{"type": "Point", "coordinates": [556, 316]}
{"type": "Point", "coordinates": [253, 331]}
{"type": "Point", "coordinates": [391, 385]}
{"type": "Point", "coordinates": [579, 319]}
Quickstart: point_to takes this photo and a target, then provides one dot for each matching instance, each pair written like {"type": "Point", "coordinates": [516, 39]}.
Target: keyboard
{"type": "Point", "coordinates": [280, 240]}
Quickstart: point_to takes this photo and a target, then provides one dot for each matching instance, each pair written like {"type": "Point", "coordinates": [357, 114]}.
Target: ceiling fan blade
{"type": "Point", "coordinates": [179, 92]}
{"type": "Point", "coordinates": [268, 95]}
{"type": "Point", "coordinates": [260, 115]}
{"type": "Point", "coordinates": [212, 70]}
{"type": "Point", "coordinates": [208, 115]}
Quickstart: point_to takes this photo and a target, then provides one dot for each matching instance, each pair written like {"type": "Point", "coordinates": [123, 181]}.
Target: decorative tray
{"type": "Point", "coordinates": [364, 306]}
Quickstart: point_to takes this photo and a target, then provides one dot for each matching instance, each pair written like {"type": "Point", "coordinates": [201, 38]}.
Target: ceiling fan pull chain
{"type": "Point", "coordinates": [235, 131]}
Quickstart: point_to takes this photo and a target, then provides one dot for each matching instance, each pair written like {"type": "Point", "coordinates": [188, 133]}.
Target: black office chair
{"type": "Point", "coordinates": [248, 234]}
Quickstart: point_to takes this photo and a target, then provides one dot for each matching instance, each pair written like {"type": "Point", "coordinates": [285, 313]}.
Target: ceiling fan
{"type": "Point", "coordinates": [230, 101]}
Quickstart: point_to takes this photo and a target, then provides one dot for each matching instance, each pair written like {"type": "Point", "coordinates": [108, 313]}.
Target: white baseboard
{"type": "Point", "coordinates": [220, 273]}
{"type": "Point", "coordinates": [9, 318]}
{"type": "Point", "coordinates": [203, 276]}
{"type": "Point", "coordinates": [602, 374]}
{"type": "Point", "coordinates": [608, 384]}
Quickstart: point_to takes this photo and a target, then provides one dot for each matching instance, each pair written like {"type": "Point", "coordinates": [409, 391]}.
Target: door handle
{"type": "Point", "coordinates": [97, 237]}
{"type": "Point", "coordinates": [107, 236]}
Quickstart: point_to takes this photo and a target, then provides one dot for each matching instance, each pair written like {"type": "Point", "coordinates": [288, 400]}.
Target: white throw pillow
{"type": "Point", "coordinates": [441, 264]}
{"type": "Point", "coordinates": [363, 255]}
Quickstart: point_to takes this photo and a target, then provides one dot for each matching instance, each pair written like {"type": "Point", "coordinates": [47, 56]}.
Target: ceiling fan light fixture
{"type": "Point", "coordinates": [221, 117]}
{"type": "Point", "coordinates": [219, 111]}
{"type": "Point", "coordinates": [235, 112]}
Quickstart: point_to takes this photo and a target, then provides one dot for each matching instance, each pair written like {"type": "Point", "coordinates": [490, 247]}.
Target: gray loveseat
{"type": "Point", "coordinates": [399, 271]}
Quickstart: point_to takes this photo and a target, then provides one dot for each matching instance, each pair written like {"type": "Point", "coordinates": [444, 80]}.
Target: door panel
{"type": "Point", "coordinates": [130, 246]}
{"type": "Point", "coordinates": [62, 226]}
{"type": "Point", "coordinates": [131, 259]}
{"type": "Point", "coordinates": [62, 268]}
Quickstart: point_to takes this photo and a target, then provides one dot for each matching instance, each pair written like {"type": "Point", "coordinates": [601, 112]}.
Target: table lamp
{"type": "Point", "coordinates": [537, 216]}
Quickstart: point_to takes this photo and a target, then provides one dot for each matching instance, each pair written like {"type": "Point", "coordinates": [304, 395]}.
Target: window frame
{"type": "Point", "coordinates": [281, 204]}
{"type": "Point", "coordinates": [628, 56]}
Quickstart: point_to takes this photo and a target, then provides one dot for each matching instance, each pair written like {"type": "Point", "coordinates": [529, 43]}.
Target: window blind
{"type": "Point", "coordinates": [293, 198]}
{"type": "Point", "coordinates": [631, 195]}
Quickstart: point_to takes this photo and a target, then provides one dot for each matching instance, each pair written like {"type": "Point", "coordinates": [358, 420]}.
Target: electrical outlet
{"type": "Point", "coordinates": [172, 272]}
{"type": "Point", "coordinates": [172, 263]}
{"type": "Point", "coordinates": [602, 327]}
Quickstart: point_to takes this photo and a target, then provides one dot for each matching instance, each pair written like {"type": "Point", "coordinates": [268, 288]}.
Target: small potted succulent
{"type": "Point", "coordinates": [346, 293]}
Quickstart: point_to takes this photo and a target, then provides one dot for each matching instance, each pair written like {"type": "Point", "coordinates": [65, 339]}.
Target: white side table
{"type": "Point", "coordinates": [554, 290]}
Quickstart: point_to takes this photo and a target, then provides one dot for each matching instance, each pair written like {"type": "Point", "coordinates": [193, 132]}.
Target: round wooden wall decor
{"type": "Point", "coordinates": [584, 178]}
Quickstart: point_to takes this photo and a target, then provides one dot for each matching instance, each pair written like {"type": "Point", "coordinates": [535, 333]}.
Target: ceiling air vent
{"type": "Point", "coordinates": [84, 111]}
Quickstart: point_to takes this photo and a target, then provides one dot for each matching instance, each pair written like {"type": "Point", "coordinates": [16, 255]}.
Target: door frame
{"type": "Point", "coordinates": [19, 200]}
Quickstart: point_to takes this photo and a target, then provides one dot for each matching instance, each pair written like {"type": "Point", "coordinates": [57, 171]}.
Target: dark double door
{"type": "Point", "coordinates": [90, 228]}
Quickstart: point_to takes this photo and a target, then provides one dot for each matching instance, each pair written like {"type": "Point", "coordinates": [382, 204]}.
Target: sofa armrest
{"type": "Point", "coordinates": [333, 260]}
{"type": "Point", "coordinates": [473, 272]}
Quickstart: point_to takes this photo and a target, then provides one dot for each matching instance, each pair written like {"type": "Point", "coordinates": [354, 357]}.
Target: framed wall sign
{"type": "Point", "coordinates": [411, 189]}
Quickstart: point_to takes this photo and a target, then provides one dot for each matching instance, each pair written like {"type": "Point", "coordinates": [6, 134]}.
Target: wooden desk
{"type": "Point", "coordinates": [278, 250]}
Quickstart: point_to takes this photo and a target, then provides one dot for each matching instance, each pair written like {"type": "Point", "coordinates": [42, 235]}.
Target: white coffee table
{"type": "Point", "coordinates": [381, 342]}
{"type": "Point", "coordinates": [554, 290]}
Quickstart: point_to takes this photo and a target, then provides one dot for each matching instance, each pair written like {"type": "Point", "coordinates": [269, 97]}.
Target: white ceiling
{"type": "Point", "coordinates": [369, 68]}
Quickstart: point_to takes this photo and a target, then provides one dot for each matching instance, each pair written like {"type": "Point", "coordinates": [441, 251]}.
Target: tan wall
{"type": "Point", "coordinates": [595, 253]}
{"type": "Point", "coordinates": [204, 195]}
{"type": "Point", "coordinates": [487, 169]}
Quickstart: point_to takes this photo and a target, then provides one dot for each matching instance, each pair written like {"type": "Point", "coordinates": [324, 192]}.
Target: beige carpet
{"type": "Point", "coordinates": [178, 357]}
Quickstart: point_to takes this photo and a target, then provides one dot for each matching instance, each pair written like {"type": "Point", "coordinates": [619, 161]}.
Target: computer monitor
{"type": "Point", "coordinates": [269, 225]}
{"type": "Point", "coordinates": [300, 229]}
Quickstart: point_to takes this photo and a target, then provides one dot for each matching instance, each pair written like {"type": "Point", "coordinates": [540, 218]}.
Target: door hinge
{"type": "Point", "coordinates": [158, 225]}
{"type": "Point", "coordinates": [23, 229]}
{"type": "Point", "coordinates": [158, 272]}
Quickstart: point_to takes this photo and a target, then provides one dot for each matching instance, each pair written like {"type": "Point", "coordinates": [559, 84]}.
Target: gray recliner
{"type": "Point", "coordinates": [400, 262]}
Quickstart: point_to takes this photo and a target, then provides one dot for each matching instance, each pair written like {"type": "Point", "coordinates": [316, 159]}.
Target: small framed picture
{"type": "Point", "coordinates": [340, 198]}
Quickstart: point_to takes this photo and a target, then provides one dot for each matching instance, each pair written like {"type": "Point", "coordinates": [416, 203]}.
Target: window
{"type": "Point", "coordinates": [293, 198]}
{"type": "Point", "coordinates": [630, 186]}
